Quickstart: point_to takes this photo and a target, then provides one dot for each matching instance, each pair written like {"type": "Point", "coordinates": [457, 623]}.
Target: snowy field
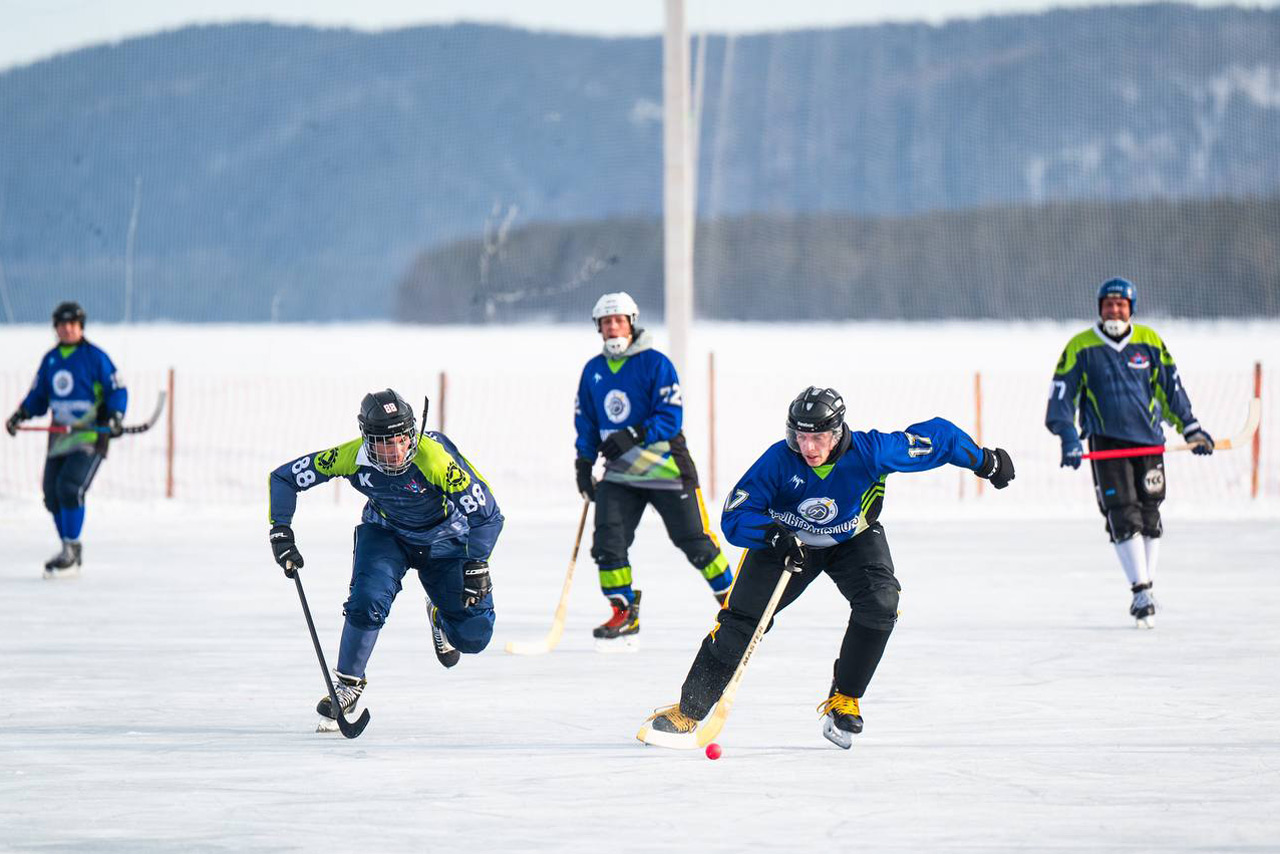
{"type": "Point", "coordinates": [163, 701]}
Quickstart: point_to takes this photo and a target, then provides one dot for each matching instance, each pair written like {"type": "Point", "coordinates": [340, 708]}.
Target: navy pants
{"type": "Point", "coordinates": [66, 480]}
{"type": "Point", "coordinates": [380, 563]}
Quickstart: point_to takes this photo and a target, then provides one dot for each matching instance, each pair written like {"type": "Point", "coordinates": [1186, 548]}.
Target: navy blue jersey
{"type": "Point", "coordinates": [829, 504]}
{"type": "Point", "coordinates": [79, 386]}
{"type": "Point", "coordinates": [638, 389]}
{"type": "Point", "coordinates": [440, 496]}
{"type": "Point", "coordinates": [1122, 389]}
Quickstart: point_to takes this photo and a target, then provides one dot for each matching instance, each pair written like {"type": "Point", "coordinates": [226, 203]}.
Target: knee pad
{"type": "Point", "coordinates": [878, 609]}
{"type": "Point", "coordinates": [1124, 522]}
{"type": "Point", "coordinates": [366, 611]}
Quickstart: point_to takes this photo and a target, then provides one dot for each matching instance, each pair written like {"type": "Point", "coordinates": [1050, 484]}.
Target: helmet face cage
{"type": "Point", "coordinates": [385, 447]}
{"type": "Point", "coordinates": [816, 410]}
{"type": "Point", "coordinates": [390, 432]}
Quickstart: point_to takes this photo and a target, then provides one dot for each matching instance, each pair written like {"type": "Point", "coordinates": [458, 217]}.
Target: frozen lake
{"type": "Point", "coordinates": [163, 701]}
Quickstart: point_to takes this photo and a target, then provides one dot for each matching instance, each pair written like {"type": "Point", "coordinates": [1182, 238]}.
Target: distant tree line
{"type": "Point", "coordinates": [1216, 258]}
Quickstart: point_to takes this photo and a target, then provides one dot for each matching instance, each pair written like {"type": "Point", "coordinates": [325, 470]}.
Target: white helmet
{"type": "Point", "coordinates": [619, 303]}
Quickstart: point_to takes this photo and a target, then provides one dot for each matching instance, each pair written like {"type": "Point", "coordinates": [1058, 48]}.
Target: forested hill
{"type": "Point", "coordinates": [267, 171]}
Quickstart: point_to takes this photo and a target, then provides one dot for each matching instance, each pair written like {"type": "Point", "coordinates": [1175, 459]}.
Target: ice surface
{"type": "Point", "coordinates": [163, 701]}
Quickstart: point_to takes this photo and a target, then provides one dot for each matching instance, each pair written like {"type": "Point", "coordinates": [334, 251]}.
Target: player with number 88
{"type": "Point", "coordinates": [427, 509]}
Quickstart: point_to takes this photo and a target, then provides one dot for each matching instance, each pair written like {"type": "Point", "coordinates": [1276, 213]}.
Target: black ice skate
{"type": "Point", "coordinates": [671, 719]}
{"type": "Point", "coordinates": [65, 563]}
{"type": "Point", "coordinates": [618, 633]}
{"type": "Point", "coordinates": [1143, 609]}
{"type": "Point", "coordinates": [842, 719]}
{"type": "Point", "coordinates": [348, 689]}
{"type": "Point", "coordinates": [445, 651]}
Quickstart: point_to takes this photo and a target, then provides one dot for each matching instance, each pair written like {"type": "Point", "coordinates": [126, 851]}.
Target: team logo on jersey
{"type": "Point", "coordinates": [819, 511]}
{"type": "Point", "coordinates": [63, 383]}
{"type": "Point", "coordinates": [1139, 362]}
{"type": "Point", "coordinates": [617, 406]}
{"type": "Point", "coordinates": [918, 446]}
{"type": "Point", "coordinates": [414, 487]}
{"type": "Point", "coordinates": [454, 477]}
{"type": "Point", "coordinates": [797, 481]}
{"type": "Point", "coordinates": [1153, 482]}
{"type": "Point", "coordinates": [325, 461]}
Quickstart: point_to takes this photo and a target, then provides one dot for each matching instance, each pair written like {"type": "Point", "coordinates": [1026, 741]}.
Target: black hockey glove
{"type": "Point", "coordinates": [115, 425]}
{"type": "Point", "coordinates": [622, 441]}
{"type": "Point", "coordinates": [1072, 451]}
{"type": "Point", "coordinates": [475, 582]}
{"type": "Point", "coordinates": [1201, 442]}
{"type": "Point", "coordinates": [786, 546]}
{"type": "Point", "coordinates": [285, 550]}
{"type": "Point", "coordinates": [996, 466]}
{"type": "Point", "coordinates": [586, 483]}
{"type": "Point", "coordinates": [19, 415]}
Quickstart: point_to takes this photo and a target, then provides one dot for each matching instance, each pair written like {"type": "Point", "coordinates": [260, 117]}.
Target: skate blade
{"type": "Point", "coordinates": [49, 574]}
{"type": "Point", "coordinates": [612, 646]}
{"type": "Point", "coordinates": [1145, 623]}
{"type": "Point", "coordinates": [672, 740]}
{"type": "Point", "coordinates": [324, 724]}
{"type": "Point", "coordinates": [835, 735]}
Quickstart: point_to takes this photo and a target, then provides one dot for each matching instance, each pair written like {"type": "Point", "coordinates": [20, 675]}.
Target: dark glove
{"type": "Point", "coordinates": [786, 546]}
{"type": "Point", "coordinates": [622, 441]}
{"type": "Point", "coordinates": [475, 582]}
{"type": "Point", "coordinates": [115, 425]}
{"type": "Point", "coordinates": [285, 550]}
{"type": "Point", "coordinates": [19, 415]}
{"type": "Point", "coordinates": [586, 483]}
{"type": "Point", "coordinates": [996, 467]}
{"type": "Point", "coordinates": [1072, 451]}
{"type": "Point", "coordinates": [1201, 442]}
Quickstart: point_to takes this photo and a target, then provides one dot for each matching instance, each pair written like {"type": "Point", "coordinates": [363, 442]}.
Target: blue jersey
{"type": "Point", "coordinates": [79, 386]}
{"type": "Point", "coordinates": [829, 504]}
{"type": "Point", "coordinates": [638, 389]}
{"type": "Point", "coordinates": [440, 496]}
{"type": "Point", "coordinates": [1122, 389]}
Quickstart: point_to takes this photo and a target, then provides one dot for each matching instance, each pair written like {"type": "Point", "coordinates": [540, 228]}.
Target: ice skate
{"type": "Point", "coordinates": [445, 651]}
{"type": "Point", "coordinates": [620, 632]}
{"type": "Point", "coordinates": [348, 689]}
{"type": "Point", "coordinates": [671, 719]}
{"type": "Point", "coordinates": [1143, 609]}
{"type": "Point", "coordinates": [66, 563]}
{"type": "Point", "coordinates": [842, 719]}
{"type": "Point", "coordinates": [670, 727]}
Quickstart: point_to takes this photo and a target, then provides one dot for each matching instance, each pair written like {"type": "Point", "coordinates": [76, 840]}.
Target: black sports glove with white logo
{"type": "Point", "coordinates": [285, 549]}
{"type": "Point", "coordinates": [476, 583]}
{"type": "Point", "coordinates": [996, 466]}
{"type": "Point", "coordinates": [19, 415]}
{"type": "Point", "coordinates": [786, 546]}
{"type": "Point", "coordinates": [622, 441]}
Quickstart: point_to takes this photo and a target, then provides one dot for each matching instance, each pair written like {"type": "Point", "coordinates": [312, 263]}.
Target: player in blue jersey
{"type": "Point", "coordinates": [630, 410]}
{"type": "Point", "coordinates": [1124, 383]}
{"type": "Point", "coordinates": [811, 505]}
{"type": "Point", "coordinates": [78, 385]}
{"type": "Point", "coordinates": [428, 509]}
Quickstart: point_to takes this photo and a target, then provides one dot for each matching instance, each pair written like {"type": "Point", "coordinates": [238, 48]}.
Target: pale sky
{"type": "Point", "coordinates": [31, 30]}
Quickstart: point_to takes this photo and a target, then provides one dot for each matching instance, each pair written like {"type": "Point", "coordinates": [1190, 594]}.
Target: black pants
{"type": "Point", "coordinates": [618, 511]}
{"type": "Point", "coordinates": [863, 572]}
{"type": "Point", "coordinates": [67, 479]}
{"type": "Point", "coordinates": [1129, 490]}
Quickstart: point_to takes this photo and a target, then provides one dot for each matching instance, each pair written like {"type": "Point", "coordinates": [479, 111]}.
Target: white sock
{"type": "Point", "coordinates": [1152, 547]}
{"type": "Point", "coordinates": [1133, 557]}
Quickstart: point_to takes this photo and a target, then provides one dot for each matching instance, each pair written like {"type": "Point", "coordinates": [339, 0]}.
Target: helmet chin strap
{"type": "Point", "coordinates": [1115, 328]}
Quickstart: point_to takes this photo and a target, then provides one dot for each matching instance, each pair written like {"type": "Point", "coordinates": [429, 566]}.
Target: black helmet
{"type": "Point", "coordinates": [815, 410]}
{"type": "Point", "coordinates": [385, 416]}
{"type": "Point", "coordinates": [68, 312]}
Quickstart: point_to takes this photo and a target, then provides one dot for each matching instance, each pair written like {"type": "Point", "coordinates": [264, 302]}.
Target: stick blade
{"type": "Point", "coordinates": [528, 647]}
{"type": "Point", "coordinates": [352, 729]}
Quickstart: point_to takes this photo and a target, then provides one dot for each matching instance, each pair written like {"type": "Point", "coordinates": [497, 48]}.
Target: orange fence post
{"type": "Point", "coordinates": [1257, 436]}
{"type": "Point", "coordinates": [168, 454]}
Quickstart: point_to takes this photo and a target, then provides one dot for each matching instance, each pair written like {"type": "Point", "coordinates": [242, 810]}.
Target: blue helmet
{"type": "Point", "coordinates": [1119, 287]}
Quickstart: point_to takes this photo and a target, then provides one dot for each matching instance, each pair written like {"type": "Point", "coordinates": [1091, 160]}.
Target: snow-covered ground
{"type": "Point", "coordinates": [162, 701]}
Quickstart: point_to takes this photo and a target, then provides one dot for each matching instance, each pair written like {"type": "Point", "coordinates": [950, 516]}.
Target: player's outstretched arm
{"type": "Point", "coordinates": [933, 443]}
